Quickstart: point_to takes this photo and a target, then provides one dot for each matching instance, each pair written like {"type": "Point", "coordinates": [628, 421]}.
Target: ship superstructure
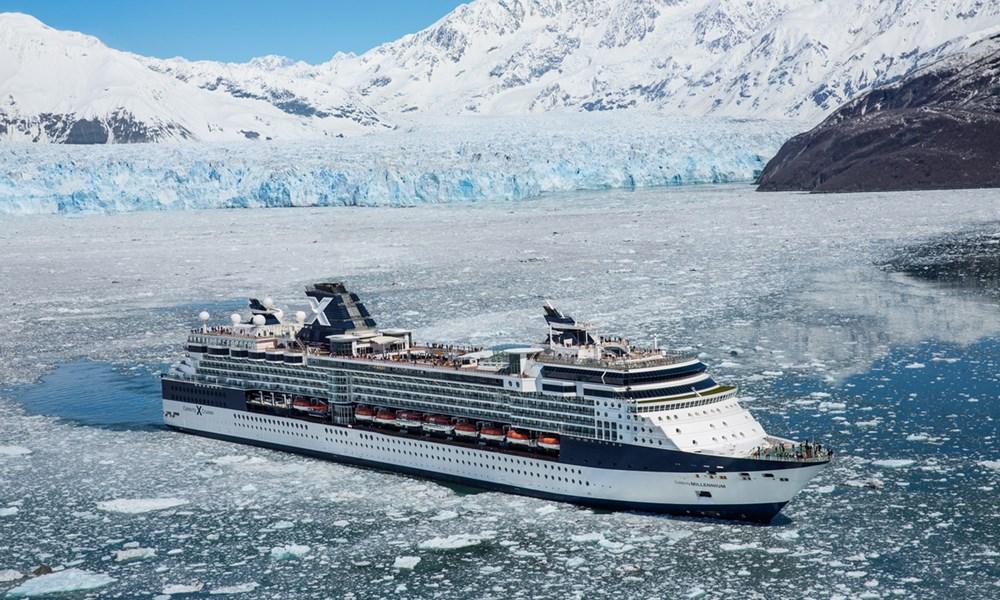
{"type": "Point", "coordinates": [580, 417]}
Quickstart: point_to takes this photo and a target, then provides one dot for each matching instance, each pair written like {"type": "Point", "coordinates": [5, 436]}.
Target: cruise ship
{"type": "Point", "coordinates": [578, 417]}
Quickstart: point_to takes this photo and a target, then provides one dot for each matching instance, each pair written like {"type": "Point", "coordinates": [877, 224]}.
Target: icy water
{"type": "Point", "coordinates": [869, 322]}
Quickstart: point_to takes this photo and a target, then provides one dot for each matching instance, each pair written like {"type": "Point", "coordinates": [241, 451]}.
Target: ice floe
{"type": "Point", "coordinates": [289, 552]}
{"type": "Point", "coordinates": [134, 554]}
{"type": "Point", "coordinates": [451, 542]}
{"type": "Point", "coordinates": [174, 589]}
{"type": "Point", "coordinates": [60, 582]}
{"type": "Point", "coordinates": [241, 588]}
{"type": "Point", "coordinates": [10, 575]}
{"type": "Point", "coordinates": [9, 511]}
{"type": "Point", "coordinates": [405, 562]}
{"type": "Point", "coordinates": [11, 451]}
{"type": "Point", "coordinates": [893, 463]}
{"type": "Point", "coordinates": [134, 506]}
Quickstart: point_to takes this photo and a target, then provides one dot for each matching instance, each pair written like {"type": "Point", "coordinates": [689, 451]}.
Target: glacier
{"type": "Point", "coordinates": [469, 158]}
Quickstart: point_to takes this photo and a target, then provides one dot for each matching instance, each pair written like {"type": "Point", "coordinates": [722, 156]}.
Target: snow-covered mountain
{"type": "Point", "coordinates": [766, 59]}
{"type": "Point", "coordinates": [750, 58]}
{"type": "Point", "coordinates": [64, 86]}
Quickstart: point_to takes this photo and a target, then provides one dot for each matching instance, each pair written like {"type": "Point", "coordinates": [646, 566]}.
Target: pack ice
{"type": "Point", "coordinates": [458, 159]}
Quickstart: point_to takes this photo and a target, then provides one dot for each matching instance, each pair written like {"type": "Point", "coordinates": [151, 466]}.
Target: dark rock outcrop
{"type": "Point", "coordinates": [938, 128]}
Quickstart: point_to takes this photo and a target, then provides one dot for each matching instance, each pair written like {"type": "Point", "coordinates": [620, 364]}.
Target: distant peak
{"type": "Point", "coordinates": [271, 62]}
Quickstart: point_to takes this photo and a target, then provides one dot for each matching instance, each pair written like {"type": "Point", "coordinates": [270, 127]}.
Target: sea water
{"type": "Point", "coordinates": [808, 303]}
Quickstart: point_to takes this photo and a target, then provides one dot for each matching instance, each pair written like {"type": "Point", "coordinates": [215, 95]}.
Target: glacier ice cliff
{"type": "Point", "coordinates": [458, 159]}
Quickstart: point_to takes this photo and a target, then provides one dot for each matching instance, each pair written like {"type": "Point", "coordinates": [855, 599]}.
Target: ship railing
{"type": "Point", "coordinates": [659, 359]}
{"type": "Point", "coordinates": [786, 450]}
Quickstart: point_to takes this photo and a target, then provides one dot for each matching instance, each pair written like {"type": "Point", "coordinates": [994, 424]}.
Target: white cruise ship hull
{"type": "Point", "coordinates": [756, 495]}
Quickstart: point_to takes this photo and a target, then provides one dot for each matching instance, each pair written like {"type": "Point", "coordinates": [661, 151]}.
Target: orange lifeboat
{"type": "Point", "coordinates": [466, 430]}
{"type": "Point", "coordinates": [549, 442]}
{"type": "Point", "coordinates": [409, 419]}
{"type": "Point", "coordinates": [519, 438]}
{"type": "Point", "coordinates": [385, 416]}
{"type": "Point", "coordinates": [309, 406]}
{"type": "Point", "coordinates": [491, 433]}
{"type": "Point", "coordinates": [364, 414]}
{"type": "Point", "coordinates": [438, 424]}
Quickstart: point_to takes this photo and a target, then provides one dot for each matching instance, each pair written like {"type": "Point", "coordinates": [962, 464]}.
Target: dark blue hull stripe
{"type": "Point", "coordinates": [761, 513]}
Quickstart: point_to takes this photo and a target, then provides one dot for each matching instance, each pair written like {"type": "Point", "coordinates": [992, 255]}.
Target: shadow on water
{"type": "Point", "coordinates": [95, 394]}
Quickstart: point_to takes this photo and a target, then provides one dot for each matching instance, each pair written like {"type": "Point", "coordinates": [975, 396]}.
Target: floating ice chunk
{"type": "Point", "coordinates": [918, 437]}
{"type": "Point", "coordinates": [614, 547]}
{"type": "Point", "coordinates": [990, 464]}
{"type": "Point", "coordinates": [695, 592]}
{"type": "Point", "coordinates": [283, 525]}
{"type": "Point", "coordinates": [547, 509]}
{"type": "Point", "coordinates": [738, 547]}
{"type": "Point", "coordinates": [229, 459]}
{"type": "Point", "coordinates": [10, 575]}
{"type": "Point", "coordinates": [289, 552]}
{"type": "Point", "coordinates": [790, 534]}
{"type": "Point", "coordinates": [405, 562]}
{"type": "Point", "coordinates": [341, 523]}
{"type": "Point", "coordinates": [139, 505]}
{"type": "Point", "coordinates": [444, 515]}
{"type": "Point", "coordinates": [14, 451]}
{"type": "Point", "coordinates": [729, 364]}
{"type": "Point", "coordinates": [820, 394]}
{"type": "Point", "coordinates": [68, 580]}
{"type": "Point", "coordinates": [587, 537]}
{"type": "Point", "coordinates": [574, 562]}
{"type": "Point", "coordinates": [832, 406]}
{"type": "Point", "coordinates": [9, 511]}
{"type": "Point", "coordinates": [134, 554]}
{"type": "Point", "coordinates": [242, 588]}
{"type": "Point", "coordinates": [915, 365]}
{"type": "Point", "coordinates": [182, 588]}
{"type": "Point", "coordinates": [452, 542]}
{"type": "Point", "coordinates": [893, 463]}
{"type": "Point", "coordinates": [825, 489]}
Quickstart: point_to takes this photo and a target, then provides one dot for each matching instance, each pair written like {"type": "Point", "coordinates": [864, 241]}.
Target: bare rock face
{"type": "Point", "coordinates": [938, 128]}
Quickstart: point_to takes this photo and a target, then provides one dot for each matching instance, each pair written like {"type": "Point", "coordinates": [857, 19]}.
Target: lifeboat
{"type": "Point", "coordinates": [364, 414]}
{"type": "Point", "coordinates": [409, 419]}
{"type": "Point", "coordinates": [549, 442]}
{"type": "Point", "coordinates": [519, 438]}
{"type": "Point", "coordinates": [385, 416]}
{"type": "Point", "coordinates": [491, 433]}
{"type": "Point", "coordinates": [309, 406]}
{"type": "Point", "coordinates": [438, 424]}
{"type": "Point", "coordinates": [466, 430]}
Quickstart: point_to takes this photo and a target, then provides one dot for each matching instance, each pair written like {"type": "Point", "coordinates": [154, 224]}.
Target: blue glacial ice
{"type": "Point", "coordinates": [467, 159]}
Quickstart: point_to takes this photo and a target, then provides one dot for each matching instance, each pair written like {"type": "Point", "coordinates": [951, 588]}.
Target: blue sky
{"type": "Point", "coordinates": [230, 30]}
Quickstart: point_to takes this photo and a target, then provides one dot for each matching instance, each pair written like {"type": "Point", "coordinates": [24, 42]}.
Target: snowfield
{"type": "Point", "coordinates": [445, 160]}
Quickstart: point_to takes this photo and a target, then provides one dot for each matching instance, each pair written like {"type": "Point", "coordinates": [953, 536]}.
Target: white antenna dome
{"type": "Point", "coordinates": [278, 313]}
{"type": "Point", "coordinates": [300, 316]}
{"type": "Point", "coordinates": [235, 318]}
{"type": "Point", "coordinates": [203, 315]}
{"type": "Point", "coordinates": [258, 320]}
{"type": "Point", "coordinates": [268, 301]}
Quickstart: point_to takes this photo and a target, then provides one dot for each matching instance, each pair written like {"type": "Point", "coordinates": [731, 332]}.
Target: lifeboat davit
{"type": "Point", "coordinates": [466, 430]}
{"type": "Point", "coordinates": [409, 419]}
{"type": "Point", "coordinates": [385, 416]}
{"type": "Point", "coordinates": [364, 414]}
{"type": "Point", "coordinates": [309, 406]}
{"type": "Point", "coordinates": [438, 424]}
{"type": "Point", "coordinates": [549, 442]}
{"type": "Point", "coordinates": [519, 438]}
{"type": "Point", "coordinates": [491, 433]}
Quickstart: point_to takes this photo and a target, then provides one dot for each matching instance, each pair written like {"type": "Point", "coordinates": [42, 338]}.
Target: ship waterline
{"type": "Point", "coordinates": [578, 418]}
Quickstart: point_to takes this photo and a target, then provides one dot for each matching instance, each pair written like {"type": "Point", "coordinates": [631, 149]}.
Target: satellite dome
{"type": "Point", "coordinates": [258, 320]}
{"type": "Point", "coordinates": [268, 301]}
{"type": "Point", "coordinates": [235, 318]}
{"type": "Point", "coordinates": [203, 315]}
{"type": "Point", "coordinates": [300, 316]}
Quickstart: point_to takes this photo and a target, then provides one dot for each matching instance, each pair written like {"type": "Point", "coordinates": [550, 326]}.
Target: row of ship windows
{"type": "Point", "coordinates": [682, 405]}
{"type": "Point", "coordinates": [242, 368]}
{"type": "Point", "coordinates": [470, 463]}
{"type": "Point", "coordinates": [288, 428]}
